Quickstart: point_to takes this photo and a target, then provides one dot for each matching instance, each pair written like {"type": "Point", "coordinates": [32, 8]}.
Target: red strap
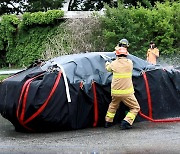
{"type": "Point", "coordinates": [24, 102]}
{"type": "Point", "coordinates": [95, 105]}
{"type": "Point", "coordinates": [150, 106]}
{"type": "Point", "coordinates": [148, 94]}
{"type": "Point", "coordinates": [81, 85]}
{"type": "Point", "coordinates": [24, 94]}
{"type": "Point", "coordinates": [26, 84]}
{"type": "Point", "coordinates": [47, 100]}
{"type": "Point", "coordinates": [159, 120]}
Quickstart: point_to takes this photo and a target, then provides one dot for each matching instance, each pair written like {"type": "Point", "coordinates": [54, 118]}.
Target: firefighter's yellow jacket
{"type": "Point", "coordinates": [122, 76]}
{"type": "Point", "coordinates": [152, 55]}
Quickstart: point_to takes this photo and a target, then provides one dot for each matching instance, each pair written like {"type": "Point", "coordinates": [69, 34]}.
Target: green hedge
{"type": "Point", "coordinates": [8, 29]}
{"type": "Point", "coordinates": [141, 25]}
{"type": "Point", "coordinates": [23, 41]}
{"type": "Point", "coordinates": [42, 18]}
{"type": "Point", "coordinates": [29, 46]}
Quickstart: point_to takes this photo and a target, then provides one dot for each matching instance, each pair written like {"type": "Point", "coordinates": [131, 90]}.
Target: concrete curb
{"type": "Point", "coordinates": [7, 72]}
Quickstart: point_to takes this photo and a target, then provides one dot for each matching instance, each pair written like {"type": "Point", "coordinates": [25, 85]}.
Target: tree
{"type": "Point", "coordinates": [10, 7]}
{"type": "Point", "coordinates": [89, 5]}
{"type": "Point", "coordinates": [21, 6]}
{"type": "Point", "coordinates": [43, 5]}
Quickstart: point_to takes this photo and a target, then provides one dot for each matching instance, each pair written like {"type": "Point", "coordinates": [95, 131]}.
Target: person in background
{"type": "Point", "coordinates": [152, 53]}
{"type": "Point", "coordinates": [122, 89]}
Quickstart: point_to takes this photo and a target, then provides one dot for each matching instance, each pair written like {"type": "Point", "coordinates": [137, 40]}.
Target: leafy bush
{"type": "Point", "coordinates": [141, 25]}
{"type": "Point", "coordinates": [23, 41]}
{"type": "Point", "coordinates": [29, 46]}
{"type": "Point", "coordinates": [42, 18]}
{"type": "Point", "coordinates": [8, 29]}
{"type": "Point", "coordinates": [43, 35]}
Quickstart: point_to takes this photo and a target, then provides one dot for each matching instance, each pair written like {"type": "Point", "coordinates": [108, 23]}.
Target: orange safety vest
{"type": "Point", "coordinates": [152, 55]}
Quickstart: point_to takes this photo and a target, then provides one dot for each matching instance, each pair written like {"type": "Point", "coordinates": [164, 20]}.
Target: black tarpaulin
{"type": "Point", "coordinates": [73, 92]}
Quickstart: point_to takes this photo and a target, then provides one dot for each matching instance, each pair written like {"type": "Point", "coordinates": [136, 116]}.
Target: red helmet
{"type": "Point", "coordinates": [121, 51]}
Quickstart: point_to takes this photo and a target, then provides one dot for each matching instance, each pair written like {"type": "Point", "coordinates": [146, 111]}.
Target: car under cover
{"type": "Point", "coordinates": [73, 92]}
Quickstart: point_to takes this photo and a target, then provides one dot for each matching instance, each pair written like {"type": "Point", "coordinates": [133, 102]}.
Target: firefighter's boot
{"type": "Point", "coordinates": [125, 125]}
{"type": "Point", "coordinates": [108, 124]}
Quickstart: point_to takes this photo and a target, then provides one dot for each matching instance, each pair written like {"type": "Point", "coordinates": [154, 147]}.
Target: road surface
{"type": "Point", "coordinates": [144, 138]}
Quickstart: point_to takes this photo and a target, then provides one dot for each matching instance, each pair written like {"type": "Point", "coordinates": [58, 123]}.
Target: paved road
{"type": "Point", "coordinates": [145, 138]}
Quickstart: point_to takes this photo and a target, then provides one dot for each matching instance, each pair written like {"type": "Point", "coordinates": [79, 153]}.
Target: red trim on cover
{"type": "Point", "coordinates": [148, 94]}
{"type": "Point", "coordinates": [159, 120]}
{"type": "Point", "coordinates": [95, 105]}
{"type": "Point", "coordinates": [24, 102]}
{"type": "Point", "coordinates": [81, 85]}
{"type": "Point", "coordinates": [19, 102]}
{"type": "Point", "coordinates": [22, 93]}
{"type": "Point", "coordinates": [24, 89]}
{"type": "Point", "coordinates": [150, 106]}
{"type": "Point", "coordinates": [47, 100]}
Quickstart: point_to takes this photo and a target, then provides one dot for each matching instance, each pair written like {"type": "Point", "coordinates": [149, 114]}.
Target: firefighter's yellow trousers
{"type": "Point", "coordinates": [128, 100]}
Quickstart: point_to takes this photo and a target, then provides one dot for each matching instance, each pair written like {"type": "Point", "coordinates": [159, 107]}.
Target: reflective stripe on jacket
{"type": "Point", "coordinates": [122, 76]}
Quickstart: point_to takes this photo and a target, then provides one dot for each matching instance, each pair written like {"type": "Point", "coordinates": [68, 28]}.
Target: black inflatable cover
{"type": "Point", "coordinates": [73, 92]}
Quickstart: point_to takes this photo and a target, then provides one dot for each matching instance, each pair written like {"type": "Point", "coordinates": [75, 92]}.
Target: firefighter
{"type": "Point", "coordinates": [152, 53]}
{"type": "Point", "coordinates": [122, 89]}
